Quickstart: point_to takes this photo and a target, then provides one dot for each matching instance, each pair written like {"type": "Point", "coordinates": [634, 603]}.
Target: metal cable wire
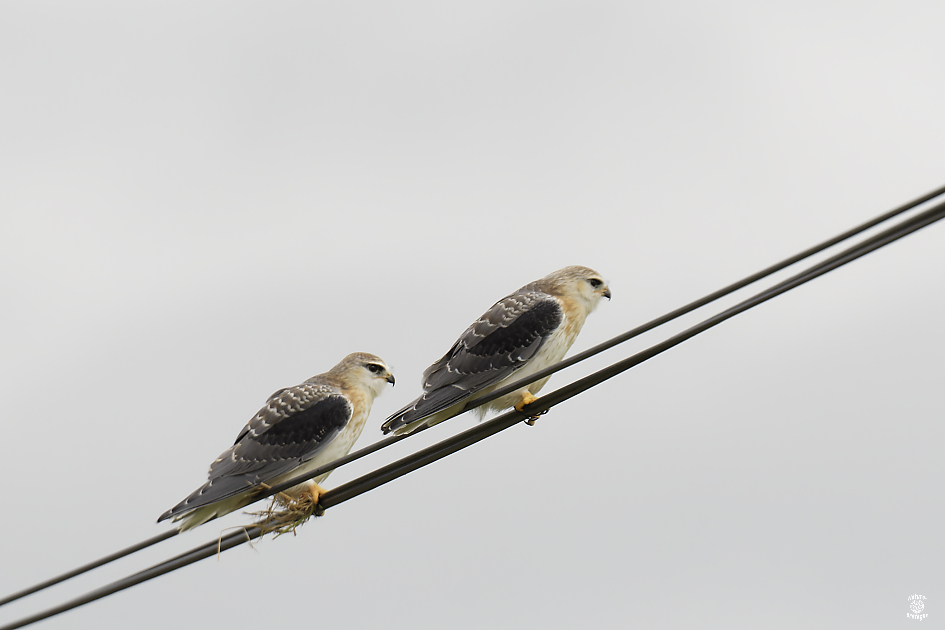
{"type": "Point", "coordinates": [630, 334]}
{"type": "Point", "coordinates": [91, 565]}
{"type": "Point", "coordinates": [442, 449]}
{"type": "Point", "coordinates": [381, 444]}
{"type": "Point", "coordinates": [204, 551]}
{"type": "Point", "coordinates": [688, 308]}
{"type": "Point", "coordinates": [421, 458]}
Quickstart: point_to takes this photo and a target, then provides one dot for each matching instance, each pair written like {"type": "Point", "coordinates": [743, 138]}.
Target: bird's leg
{"type": "Point", "coordinates": [299, 506]}
{"type": "Point", "coordinates": [316, 491]}
{"type": "Point", "coordinates": [306, 501]}
{"type": "Point", "coordinates": [526, 399]}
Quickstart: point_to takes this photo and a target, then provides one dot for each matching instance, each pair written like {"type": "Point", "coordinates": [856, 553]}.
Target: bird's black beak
{"type": "Point", "coordinates": [607, 293]}
{"type": "Point", "coordinates": [390, 379]}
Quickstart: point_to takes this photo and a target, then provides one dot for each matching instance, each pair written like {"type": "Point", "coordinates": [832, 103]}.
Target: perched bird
{"type": "Point", "coordinates": [299, 429]}
{"type": "Point", "coordinates": [522, 333]}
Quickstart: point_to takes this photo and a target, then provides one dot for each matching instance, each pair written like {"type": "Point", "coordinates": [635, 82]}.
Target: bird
{"type": "Point", "coordinates": [522, 333]}
{"type": "Point", "coordinates": [299, 429]}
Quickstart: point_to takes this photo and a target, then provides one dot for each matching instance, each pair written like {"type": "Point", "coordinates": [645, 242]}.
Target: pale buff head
{"type": "Point", "coordinates": [581, 284]}
{"type": "Point", "coordinates": [364, 370]}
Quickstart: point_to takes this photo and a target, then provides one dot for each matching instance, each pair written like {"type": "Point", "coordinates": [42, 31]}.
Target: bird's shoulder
{"type": "Point", "coordinates": [295, 422]}
{"type": "Point", "coordinates": [500, 341]}
{"type": "Point", "coordinates": [528, 302]}
{"type": "Point", "coordinates": [316, 394]}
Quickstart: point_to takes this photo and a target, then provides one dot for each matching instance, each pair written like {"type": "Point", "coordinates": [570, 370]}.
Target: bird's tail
{"type": "Point", "coordinates": [399, 422]}
{"type": "Point", "coordinates": [404, 421]}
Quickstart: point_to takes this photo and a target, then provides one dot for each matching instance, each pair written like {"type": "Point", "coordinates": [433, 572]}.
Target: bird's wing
{"type": "Point", "coordinates": [496, 345]}
{"type": "Point", "coordinates": [296, 423]}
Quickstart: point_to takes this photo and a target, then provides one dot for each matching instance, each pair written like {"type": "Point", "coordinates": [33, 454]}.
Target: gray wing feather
{"type": "Point", "coordinates": [296, 423]}
{"type": "Point", "coordinates": [490, 350]}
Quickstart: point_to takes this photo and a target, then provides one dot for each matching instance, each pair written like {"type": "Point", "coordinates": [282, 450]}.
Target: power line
{"type": "Point", "coordinates": [381, 444]}
{"type": "Point", "coordinates": [205, 551]}
{"type": "Point", "coordinates": [442, 449]}
{"type": "Point", "coordinates": [403, 466]}
{"type": "Point", "coordinates": [92, 565]}
{"type": "Point", "coordinates": [688, 308]}
{"type": "Point", "coordinates": [507, 389]}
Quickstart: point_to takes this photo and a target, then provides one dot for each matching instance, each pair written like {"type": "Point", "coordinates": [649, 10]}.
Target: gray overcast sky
{"type": "Point", "coordinates": [203, 202]}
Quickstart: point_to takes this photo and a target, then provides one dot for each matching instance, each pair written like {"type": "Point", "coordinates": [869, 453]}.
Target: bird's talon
{"type": "Point", "coordinates": [526, 399]}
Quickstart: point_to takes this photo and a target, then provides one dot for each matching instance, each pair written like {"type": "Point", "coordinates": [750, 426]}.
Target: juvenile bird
{"type": "Point", "coordinates": [299, 429]}
{"type": "Point", "coordinates": [524, 332]}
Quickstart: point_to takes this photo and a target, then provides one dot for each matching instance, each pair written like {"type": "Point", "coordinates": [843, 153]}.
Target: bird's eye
{"type": "Point", "coordinates": [374, 368]}
{"type": "Point", "coordinates": [594, 282]}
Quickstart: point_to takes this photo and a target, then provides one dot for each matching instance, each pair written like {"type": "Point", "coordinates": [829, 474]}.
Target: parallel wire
{"type": "Point", "coordinates": [91, 565]}
{"type": "Point", "coordinates": [421, 458]}
{"type": "Point", "coordinates": [502, 391]}
{"type": "Point", "coordinates": [639, 330]}
{"type": "Point", "coordinates": [442, 449]}
{"type": "Point", "coordinates": [688, 308]}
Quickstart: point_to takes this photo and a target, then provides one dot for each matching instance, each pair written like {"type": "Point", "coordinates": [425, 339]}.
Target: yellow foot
{"type": "Point", "coordinates": [296, 510]}
{"type": "Point", "coordinates": [526, 399]}
{"type": "Point", "coordinates": [306, 501]}
{"type": "Point", "coordinates": [316, 491]}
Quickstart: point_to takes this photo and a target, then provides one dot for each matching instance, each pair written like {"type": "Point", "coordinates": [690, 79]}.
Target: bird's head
{"type": "Point", "coordinates": [365, 370]}
{"type": "Point", "coordinates": [581, 283]}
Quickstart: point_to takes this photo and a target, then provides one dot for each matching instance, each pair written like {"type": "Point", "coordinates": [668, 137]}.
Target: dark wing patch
{"type": "Point", "coordinates": [292, 428]}
{"type": "Point", "coordinates": [503, 347]}
{"type": "Point", "coordinates": [496, 345]}
{"type": "Point", "coordinates": [296, 437]}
